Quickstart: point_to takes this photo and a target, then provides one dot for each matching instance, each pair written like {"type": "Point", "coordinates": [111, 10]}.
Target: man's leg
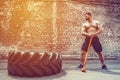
{"type": "Point", "coordinates": [101, 57]}
{"type": "Point", "coordinates": [98, 48]}
{"type": "Point", "coordinates": [83, 53]}
{"type": "Point", "coordinates": [82, 57]}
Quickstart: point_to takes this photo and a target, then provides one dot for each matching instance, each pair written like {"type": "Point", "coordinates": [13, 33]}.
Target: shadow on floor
{"type": "Point", "coordinates": [52, 77]}
{"type": "Point", "coordinates": [112, 71]}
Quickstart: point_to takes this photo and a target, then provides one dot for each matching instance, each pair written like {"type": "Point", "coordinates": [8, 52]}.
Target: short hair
{"type": "Point", "coordinates": [88, 13]}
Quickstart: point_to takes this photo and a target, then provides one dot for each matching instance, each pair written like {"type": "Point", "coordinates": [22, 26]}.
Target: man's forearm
{"type": "Point", "coordinates": [84, 33]}
{"type": "Point", "coordinates": [98, 32]}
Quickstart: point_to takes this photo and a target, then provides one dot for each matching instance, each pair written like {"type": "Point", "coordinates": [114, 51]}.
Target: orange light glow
{"type": "Point", "coordinates": [31, 23]}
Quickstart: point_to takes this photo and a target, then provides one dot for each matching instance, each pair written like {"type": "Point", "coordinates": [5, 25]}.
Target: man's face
{"type": "Point", "coordinates": [87, 17]}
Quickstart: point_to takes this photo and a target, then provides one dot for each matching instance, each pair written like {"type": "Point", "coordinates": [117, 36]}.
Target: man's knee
{"type": "Point", "coordinates": [83, 53]}
{"type": "Point", "coordinates": [100, 55]}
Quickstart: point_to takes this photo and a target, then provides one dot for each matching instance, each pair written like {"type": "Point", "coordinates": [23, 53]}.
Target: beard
{"type": "Point", "coordinates": [87, 18]}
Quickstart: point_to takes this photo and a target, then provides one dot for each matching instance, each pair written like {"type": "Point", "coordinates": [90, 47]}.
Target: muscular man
{"type": "Point", "coordinates": [91, 28]}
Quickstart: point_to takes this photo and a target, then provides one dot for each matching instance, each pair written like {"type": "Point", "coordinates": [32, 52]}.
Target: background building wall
{"type": "Point", "coordinates": [55, 25]}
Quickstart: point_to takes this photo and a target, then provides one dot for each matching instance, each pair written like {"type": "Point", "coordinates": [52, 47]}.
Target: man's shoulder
{"type": "Point", "coordinates": [96, 21]}
{"type": "Point", "coordinates": [85, 23]}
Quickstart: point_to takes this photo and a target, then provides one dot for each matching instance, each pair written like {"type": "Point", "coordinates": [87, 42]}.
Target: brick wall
{"type": "Point", "coordinates": [56, 25]}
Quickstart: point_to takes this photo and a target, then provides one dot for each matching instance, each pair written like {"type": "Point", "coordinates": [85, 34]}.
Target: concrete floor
{"type": "Point", "coordinates": [71, 72]}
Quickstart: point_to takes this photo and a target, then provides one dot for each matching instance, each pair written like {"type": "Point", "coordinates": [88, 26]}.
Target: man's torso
{"type": "Point", "coordinates": [91, 27]}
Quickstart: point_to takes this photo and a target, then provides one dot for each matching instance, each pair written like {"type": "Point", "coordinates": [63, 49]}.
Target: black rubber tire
{"type": "Point", "coordinates": [33, 64]}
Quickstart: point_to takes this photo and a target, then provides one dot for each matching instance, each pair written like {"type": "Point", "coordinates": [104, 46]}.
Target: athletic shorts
{"type": "Point", "coordinates": [95, 43]}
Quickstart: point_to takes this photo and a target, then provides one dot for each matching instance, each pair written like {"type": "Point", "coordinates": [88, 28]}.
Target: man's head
{"type": "Point", "coordinates": [88, 16]}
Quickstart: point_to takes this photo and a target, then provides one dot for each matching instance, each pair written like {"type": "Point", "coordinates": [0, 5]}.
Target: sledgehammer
{"type": "Point", "coordinates": [86, 56]}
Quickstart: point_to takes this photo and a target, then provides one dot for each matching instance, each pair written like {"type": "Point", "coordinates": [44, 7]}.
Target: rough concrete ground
{"type": "Point", "coordinates": [71, 72]}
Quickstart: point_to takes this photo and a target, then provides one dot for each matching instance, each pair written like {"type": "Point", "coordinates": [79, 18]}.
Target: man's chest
{"type": "Point", "coordinates": [91, 26]}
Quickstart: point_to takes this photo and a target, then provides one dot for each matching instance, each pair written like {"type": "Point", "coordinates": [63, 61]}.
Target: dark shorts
{"type": "Point", "coordinates": [95, 43]}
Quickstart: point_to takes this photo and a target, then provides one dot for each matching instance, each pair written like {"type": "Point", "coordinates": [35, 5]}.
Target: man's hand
{"type": "Point", "coordinates": [91, 34]}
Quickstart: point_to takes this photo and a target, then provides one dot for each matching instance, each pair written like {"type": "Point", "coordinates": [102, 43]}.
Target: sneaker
{"type": "Point", "coordinates": [104, 67]}
{"type": "Point", "coordinates": [80, 66]}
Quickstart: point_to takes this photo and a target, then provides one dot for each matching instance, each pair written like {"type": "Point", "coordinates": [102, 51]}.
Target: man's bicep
{"type": "Point", "coordinates": [100, 26]}
{"type": "Point", "coordinates": [83, 28]}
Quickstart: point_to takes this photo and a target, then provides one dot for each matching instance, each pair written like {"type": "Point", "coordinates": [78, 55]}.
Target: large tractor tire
{"type": "Point", "coordinates": [33, 64]}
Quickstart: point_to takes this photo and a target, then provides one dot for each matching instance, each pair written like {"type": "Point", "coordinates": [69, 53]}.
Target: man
{"type": "Point", "coordinates": [91, 28]}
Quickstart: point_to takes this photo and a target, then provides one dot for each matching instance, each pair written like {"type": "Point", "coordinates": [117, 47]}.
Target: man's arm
{"type": "Point", "coordinates": [100, 29]}
{"type": "Point", "coordinates": [83, 31]}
